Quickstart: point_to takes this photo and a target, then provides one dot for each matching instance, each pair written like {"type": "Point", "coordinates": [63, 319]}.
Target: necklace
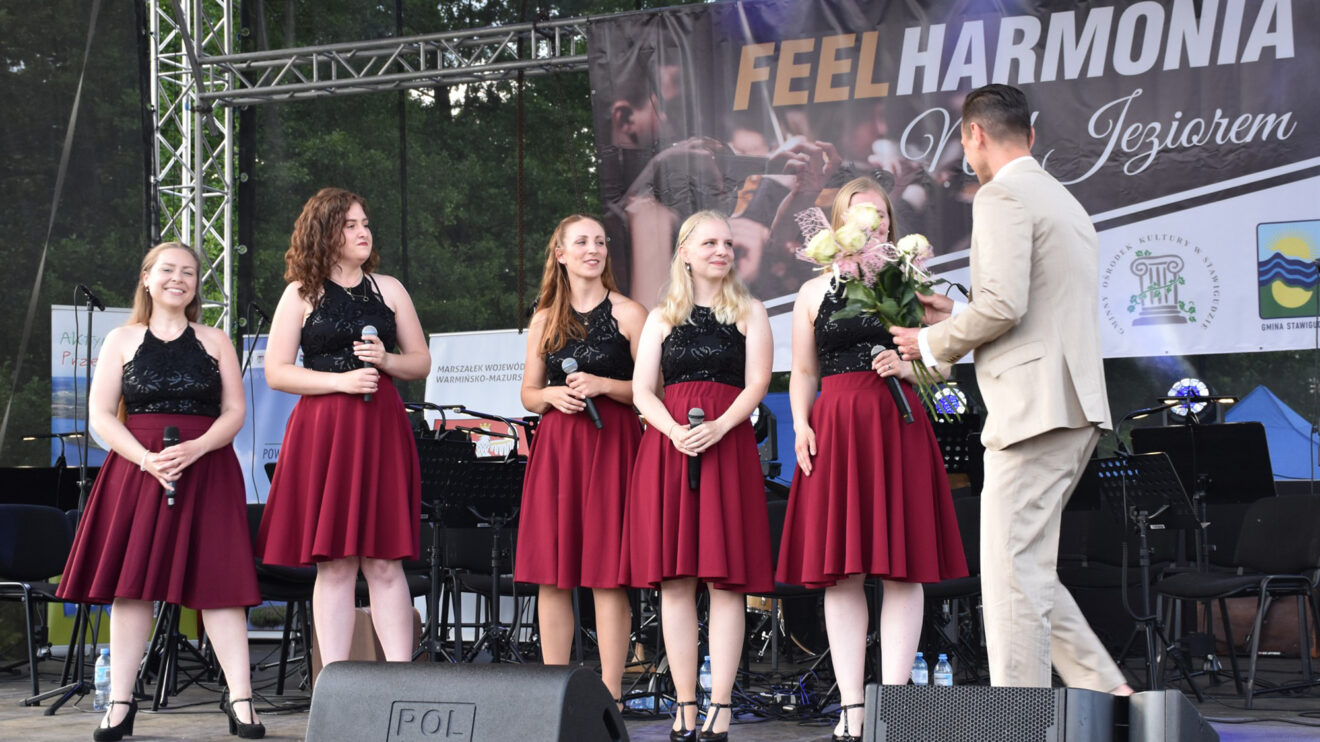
{"type": "Point", "coordinates": [363, 297]}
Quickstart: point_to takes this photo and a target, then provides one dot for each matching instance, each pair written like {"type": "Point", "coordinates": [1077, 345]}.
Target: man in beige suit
{"type": "Point", "coordinates": [1033, 324]}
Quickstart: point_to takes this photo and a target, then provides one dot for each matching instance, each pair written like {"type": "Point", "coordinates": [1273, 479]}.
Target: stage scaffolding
{"type": "Point", "coordinates": [197, 81]}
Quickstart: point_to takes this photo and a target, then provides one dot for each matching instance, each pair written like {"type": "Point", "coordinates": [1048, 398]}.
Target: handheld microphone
{"type": "Point", "coordinates": [895, 389]}
{"type": "Point", "coordinates": [696, 416]}
{"type": "Point", "coordinates": [255, 309]}
{"type": "Point", "coordinates": [570, 366]}
{"type": "Point", "coordinates": [169, 438]}
{"type": "Point", "coordinates": [368, 330]}
{"type": "Point", "coordinates": [91, 298]}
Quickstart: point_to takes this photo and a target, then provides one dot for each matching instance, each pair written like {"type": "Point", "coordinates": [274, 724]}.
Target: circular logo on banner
{"type": "Point", "coordinates": [1161, 280]}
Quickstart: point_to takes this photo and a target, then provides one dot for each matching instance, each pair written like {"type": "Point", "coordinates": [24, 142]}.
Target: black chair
{"type": "Point", "coordinates": [1277, 555]}
{"type": "Point", "coordinates": [34, 545]}
{"type": "Point", "coordinates": [293, 587]}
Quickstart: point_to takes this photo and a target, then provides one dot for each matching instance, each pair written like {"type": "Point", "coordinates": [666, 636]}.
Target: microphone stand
{"type": "Point", "coordinates": [74, 674]}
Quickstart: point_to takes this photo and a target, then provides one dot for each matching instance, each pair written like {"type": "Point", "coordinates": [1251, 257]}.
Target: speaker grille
{"type": "Point", "coordinates": [958, 713]}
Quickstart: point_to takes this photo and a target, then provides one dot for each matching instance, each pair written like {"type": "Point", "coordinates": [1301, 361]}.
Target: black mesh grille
{"type": "Point", "coordinates": [966, 714]}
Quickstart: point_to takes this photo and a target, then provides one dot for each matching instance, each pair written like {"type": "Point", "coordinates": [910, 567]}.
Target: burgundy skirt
{"type": "Point", "coordinates": [130, 545]}
{"type": "Point", "coordinates": [347, 482]}
{"type": "Point", "coordinates": [570, 526]}
{"type": "Point", "coordinates": [877, 501]}
{"type": "Point", "coordinates": [719, 534]}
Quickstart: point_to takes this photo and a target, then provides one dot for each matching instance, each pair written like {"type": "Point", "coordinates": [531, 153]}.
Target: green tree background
{"type": "Point", "coordinates": [462, 230]}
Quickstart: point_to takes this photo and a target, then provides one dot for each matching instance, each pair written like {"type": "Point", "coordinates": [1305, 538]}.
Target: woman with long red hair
{"type": "Point", "coordinates": [571, 521]}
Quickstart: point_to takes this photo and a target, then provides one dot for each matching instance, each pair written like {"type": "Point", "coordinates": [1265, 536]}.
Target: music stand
{"type": "Point", "coordinates": [1144, 492]}
{"type": "Point", "coordinates": [435, 456]}
{"type": "Point", "coordinates": [1225, 462]}
{"type": "Point", "coordinates": [74, 676]}
{"type": "Point", "coordinates": [491, 491]}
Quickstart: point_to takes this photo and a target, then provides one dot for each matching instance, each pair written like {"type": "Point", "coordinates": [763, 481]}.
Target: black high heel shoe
{"type": "Point", "coordinates": [123, 729]}
{"type": "Point", "coordinates": [255, 730]}
{"type": "Point", "coordinates": [682, 734]}
{"type": "Point", "coordinates": [847, 735]}
{"type": "Point", "coordinates": [715, 736]}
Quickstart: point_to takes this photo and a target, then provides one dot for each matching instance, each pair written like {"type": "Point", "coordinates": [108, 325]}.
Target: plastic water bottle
{"type": "Point", "coordinates": [703, 683]}
{"type": "Point", "coordinates": [920, 672]}
{"type": "Point", "coordinates": [102, 675]}
{"type": "Point", "coordinates": [943, 671]}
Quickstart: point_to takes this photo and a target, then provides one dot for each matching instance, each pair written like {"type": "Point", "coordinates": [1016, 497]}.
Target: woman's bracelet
{"type": "Point", "coordinates": [142, 465]}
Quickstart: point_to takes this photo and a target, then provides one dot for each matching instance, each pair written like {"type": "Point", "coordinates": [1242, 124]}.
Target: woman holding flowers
{"type": "Point", "coordinates": [872, 498]}
{"type": "Point", "coordinates": [709, 345]}
{"type": "Point", "coordinates": [571, 521]}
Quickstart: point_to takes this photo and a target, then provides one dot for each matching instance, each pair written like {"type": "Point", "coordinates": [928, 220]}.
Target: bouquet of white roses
{"type": "Point", "coordinates": [878, 277]}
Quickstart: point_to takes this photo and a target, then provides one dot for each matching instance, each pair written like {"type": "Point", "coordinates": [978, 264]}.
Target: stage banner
{"type": "Point", "coordinates": [258, 442]}
{"type": "Point", "coordinates": [481, 371]}
{"type": "Point", "coordinates": [68, 377]}
{"type": "Point", "coordinates": [1182, 126]}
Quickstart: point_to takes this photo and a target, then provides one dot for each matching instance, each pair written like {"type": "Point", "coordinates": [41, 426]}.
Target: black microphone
{"type": "Point", "coordinates": [696, 416]}
{"type": "Point", "coordinates": [570, 366]}
{"type": "Point", "coordinates": [169, 438]}
{"type": "Point", "coordinates": [254, 309]}
{"type": "Point", "coordinates": [91, 298]}
{"type": "Point", "coordinates": [368, 330]}
{"type": "Point", "coordinates": [895, 388]}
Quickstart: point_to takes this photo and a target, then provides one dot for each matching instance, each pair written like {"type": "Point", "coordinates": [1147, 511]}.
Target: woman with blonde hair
{"type": "Point", "coordinates": [580, 349]}
{"type": "Point", "coordinates": [346, 495]}
{"type": "Point", "coordinates": [870, 497]}
{"type": "Point", "coordinates": [709, 345]}
{"type": "Point", "coordinates": [167, 523]}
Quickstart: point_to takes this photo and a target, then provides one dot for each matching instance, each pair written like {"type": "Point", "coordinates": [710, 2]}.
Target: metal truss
{"type": "Point", "coordinates": [450, 58]}
{"type": "Point", "coordinates": [198, 80]}
{"type": "Point", "coordinates": [193, 184]}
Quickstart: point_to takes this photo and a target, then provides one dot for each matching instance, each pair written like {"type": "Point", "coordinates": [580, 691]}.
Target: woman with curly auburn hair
{"type": "Point", "coordinates": [571, 521]}
{"type": "Point", "coordinates": [346, 495]}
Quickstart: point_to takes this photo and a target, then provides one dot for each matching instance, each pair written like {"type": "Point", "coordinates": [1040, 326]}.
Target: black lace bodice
{"type": "Point", "coordinates": [844, 345]}
{"type": "Point", "coordinates": [337, 321]}
{"type": "Point", "coordinates": [604, 352]}
{"type": "Point", "coordinates": [703, 349]}
{"type": "Point", "coordinates": [178, 377]}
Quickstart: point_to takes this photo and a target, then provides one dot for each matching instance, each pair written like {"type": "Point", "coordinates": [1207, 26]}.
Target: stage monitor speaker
{"type": "Point", "coordinates": [404, 702]}
{"type": "Point", "coordinates": [967, 713]}
{"type": "Point", "coordinates": [1160, 715]}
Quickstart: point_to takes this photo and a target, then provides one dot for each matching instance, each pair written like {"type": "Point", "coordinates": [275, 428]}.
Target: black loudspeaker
{"type": "Point", "coordinates": [403, 702]}
{"type": "Point", "coordinates": [1160, 715]}
{"type": "Point", "coordinates": [967, 713]}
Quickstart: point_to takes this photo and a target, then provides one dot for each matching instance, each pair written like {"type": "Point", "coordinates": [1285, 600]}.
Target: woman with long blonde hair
{"type": "Point", "coordinates": [580, 349]}
{"type": "Point", "coordinates": [346, 495]}
{"type": "Point", "coordinates": [167, 523]}
{"type": "Point", "coordinates": [709, 345]}
{"type": "Point", "coordinates": [870, 497]}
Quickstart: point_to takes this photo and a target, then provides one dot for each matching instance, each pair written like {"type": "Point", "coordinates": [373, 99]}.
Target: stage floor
{"type": "Point", "coordinates": [193, 715]}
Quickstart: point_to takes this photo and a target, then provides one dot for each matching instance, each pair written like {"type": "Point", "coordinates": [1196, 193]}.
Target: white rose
{"type": "Point", "coordinates": [822, 247]}
{"type": "Point", "coordinates": [851, 238]}
{"type": "Point", "coordinates": [865, 217]}
{"type": "Point", "coordinates": [914, 245]}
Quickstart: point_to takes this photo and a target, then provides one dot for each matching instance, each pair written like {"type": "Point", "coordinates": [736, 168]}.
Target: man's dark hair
{"type": "Point", "coordinates": [1001, 110]}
